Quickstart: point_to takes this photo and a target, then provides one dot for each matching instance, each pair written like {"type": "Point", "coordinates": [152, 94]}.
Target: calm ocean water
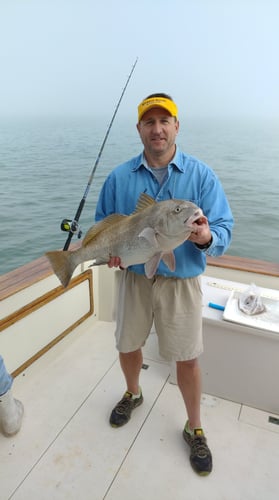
{"type": "Point", "coordinates": [45, 164]}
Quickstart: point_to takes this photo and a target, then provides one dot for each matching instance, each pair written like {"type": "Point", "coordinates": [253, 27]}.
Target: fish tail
{"type": "Point", "coordinates": [63, 264]}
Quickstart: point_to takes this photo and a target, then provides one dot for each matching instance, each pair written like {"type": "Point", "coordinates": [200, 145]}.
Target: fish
{"type": "Point", "coordinates": [149, 234]}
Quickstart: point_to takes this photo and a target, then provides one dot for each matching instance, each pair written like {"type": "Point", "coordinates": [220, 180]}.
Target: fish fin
{"type": "Point", "coordinates": [63, 264]}
{"type": "Point", "coordinates": [101, 226]}
{"type": "Point", "coordinates": [169, 260]}
{"type": "Point", "coordinates": [150, 267]}
{"type": "Point", "coordinates": [149, 234]}
{"type": "Point", "coordinates": [144, 201]}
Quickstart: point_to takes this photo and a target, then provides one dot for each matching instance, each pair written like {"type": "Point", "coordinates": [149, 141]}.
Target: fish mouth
{"type": "Point", "coordinates": [194, 218]}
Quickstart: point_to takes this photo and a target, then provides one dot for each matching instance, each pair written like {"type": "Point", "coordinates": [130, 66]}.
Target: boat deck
{"type": "Point", "coordinates": [66, 448]}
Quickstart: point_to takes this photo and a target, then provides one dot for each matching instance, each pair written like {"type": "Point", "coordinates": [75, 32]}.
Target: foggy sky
{"type": "Point", "coordinates": [215, 57]}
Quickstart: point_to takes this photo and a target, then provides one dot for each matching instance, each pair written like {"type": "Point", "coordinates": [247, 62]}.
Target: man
{"type": "Point", "coordinates": [173, 300]}
{"type": "Point", "coordinates": [11, 410]}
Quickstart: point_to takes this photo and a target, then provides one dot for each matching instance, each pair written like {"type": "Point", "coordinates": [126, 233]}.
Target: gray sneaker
{"type": "Point", "coordinates": [121, 414]}
{"type": "Point", "coordinates": [200, 454]}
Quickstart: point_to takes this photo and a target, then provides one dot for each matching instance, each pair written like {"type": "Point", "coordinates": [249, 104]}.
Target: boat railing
{"type": "Point", "coordinates": [39, 269]}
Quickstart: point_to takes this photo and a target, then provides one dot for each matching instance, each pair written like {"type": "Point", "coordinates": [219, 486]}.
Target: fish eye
{"type": "Point", "coordinates": [177, 209]}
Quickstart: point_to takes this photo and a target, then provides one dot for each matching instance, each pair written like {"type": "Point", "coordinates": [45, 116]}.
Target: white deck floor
{"type": "Point", "coordinates": [66, 448]}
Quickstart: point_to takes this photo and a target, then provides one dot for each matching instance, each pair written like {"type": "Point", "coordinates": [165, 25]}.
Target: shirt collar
{"type": "Point", "coordinates": [175, 162]}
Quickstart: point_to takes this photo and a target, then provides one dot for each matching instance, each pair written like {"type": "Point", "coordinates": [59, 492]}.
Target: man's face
{"type": "Point", "coordinates": [158, 130]}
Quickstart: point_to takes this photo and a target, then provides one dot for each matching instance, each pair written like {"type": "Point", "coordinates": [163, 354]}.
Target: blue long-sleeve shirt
{"type": "Point", "coordinates": [187, 179]}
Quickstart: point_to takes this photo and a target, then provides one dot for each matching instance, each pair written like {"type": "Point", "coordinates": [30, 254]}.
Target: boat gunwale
{"type": "Point", "coordinates": [18, 279]}
{"type": "Point", "coordinates": [238, 263]}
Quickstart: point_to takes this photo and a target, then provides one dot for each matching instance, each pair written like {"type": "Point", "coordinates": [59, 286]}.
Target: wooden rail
{"type": "Point", "coordinates": [24, 276]}
{"type": "Point", "coordinates": [245, 264]}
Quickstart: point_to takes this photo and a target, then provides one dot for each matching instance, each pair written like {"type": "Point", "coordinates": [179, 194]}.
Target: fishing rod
{"type": "Point", "coordinates": [72, 226]}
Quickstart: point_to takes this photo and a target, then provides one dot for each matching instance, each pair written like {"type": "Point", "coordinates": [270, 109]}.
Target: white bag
{"type": "Point", "coordinates": [250, 301]}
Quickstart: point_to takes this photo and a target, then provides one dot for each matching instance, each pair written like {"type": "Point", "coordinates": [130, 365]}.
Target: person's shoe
{"type": "Point", "coordinates": [121, 414]}
{"type": "Point", "coordinates": [200, 454]}
{"type": "Point", "coordinates": [11, 414]}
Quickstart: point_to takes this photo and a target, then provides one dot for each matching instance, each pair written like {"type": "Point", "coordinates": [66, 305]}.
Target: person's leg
{"type": "Point", "coordinates": [179, 327]}
{"type": "Point", "coordinates": [134, 319]}
{"type": "Point", "coordinates": [11, 410]}
{"type": "Point", "coordinates": [6, 380]}
{"type": "Point", "coordinates": [131, 363]}
{"type": "Point", "coordinates": [189, 383]}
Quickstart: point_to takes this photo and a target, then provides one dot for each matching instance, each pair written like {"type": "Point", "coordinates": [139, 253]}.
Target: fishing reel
{"type": "Point", "coordinates": [72, 226]}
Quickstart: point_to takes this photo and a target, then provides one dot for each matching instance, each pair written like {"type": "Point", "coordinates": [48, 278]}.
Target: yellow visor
{"type": "Point", "coordinates": [157, 102]}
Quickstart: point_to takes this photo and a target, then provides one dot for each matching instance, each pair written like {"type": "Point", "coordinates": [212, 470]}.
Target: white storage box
{"type": "Point", "coordinates": [240, 362]}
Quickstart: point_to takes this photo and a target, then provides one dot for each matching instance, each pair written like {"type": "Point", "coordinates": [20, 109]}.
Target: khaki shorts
{"type": "Point", "coordinates": [175, 307]}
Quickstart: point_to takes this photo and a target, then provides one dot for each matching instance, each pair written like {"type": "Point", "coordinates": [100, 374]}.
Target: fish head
{"type": "Point", "coordinates": [176, 218]}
